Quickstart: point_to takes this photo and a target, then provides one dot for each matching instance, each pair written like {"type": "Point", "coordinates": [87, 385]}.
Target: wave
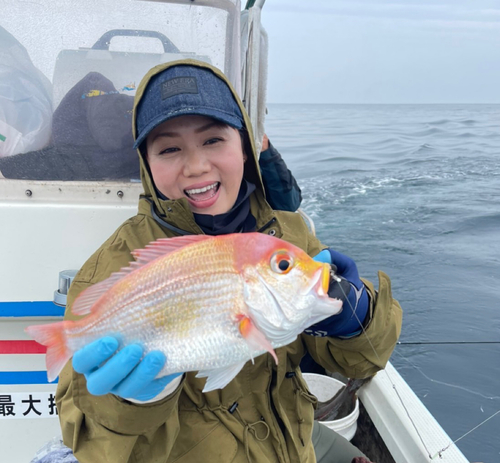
{"type": "Point", "coordinates": [478, 224]}
{"type": "Point", "coordinates": [440, 122]}
{"type": "Point", "coordinates": [349, 159]}
{"type": "Point", "coordinates": [427, 132]}
{"type": "Point", "coordinates": [424, 148]}
{"type": "Point", "coordinates": [414, 181]}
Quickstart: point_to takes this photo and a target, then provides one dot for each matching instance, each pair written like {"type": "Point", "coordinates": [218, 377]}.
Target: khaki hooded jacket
{"type": "Point", "coordinates": [263, 415]}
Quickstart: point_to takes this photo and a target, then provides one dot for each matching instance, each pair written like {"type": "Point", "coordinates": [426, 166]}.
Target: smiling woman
{"type": "Point", "coordinates": [197, 158]}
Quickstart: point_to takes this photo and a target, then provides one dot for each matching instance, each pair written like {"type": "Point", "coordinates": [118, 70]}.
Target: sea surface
{"type": "Point", "coordinates": [414, 191]}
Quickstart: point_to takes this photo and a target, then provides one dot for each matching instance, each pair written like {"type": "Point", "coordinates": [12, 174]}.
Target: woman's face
{"type": "Point", "coordinates": [197, 158]}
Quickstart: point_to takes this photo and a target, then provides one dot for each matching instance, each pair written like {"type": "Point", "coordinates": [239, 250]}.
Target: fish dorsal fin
{"type": "Point", "coordinates": [165, 246]}
{"type": "Point", "coordinates": [87, 298]}
{"type": "Point", "coordinates": [159, 248]}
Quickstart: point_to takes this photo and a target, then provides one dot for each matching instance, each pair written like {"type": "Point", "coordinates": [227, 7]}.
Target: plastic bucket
{"type": "Point", "coordinates": [324, 388]}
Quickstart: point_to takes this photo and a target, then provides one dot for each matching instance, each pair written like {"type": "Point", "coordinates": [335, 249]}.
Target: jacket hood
{"type": "Point", "coordinates": [251, 170]}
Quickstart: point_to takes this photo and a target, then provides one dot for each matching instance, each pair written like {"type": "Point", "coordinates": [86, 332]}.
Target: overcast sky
{"type": "Point", "coordinates": [382, 51]}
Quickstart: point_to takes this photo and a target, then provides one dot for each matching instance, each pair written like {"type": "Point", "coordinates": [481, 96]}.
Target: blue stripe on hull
{"type": "Point", "coordinates": [24, 377]}
{"type": "Point", "coordinates": [30, 309]}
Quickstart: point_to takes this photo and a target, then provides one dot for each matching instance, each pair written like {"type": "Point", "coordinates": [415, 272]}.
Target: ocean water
{"type": "Point", "coordinates": [414, 191]}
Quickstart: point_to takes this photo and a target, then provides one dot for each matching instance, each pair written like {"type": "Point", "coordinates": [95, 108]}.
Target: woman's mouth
{"type": "Point", "coordinates": [203, 194]}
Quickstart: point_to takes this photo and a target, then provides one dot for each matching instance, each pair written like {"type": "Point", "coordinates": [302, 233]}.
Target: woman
{"type": "Point", "coordinates": [200, 175]}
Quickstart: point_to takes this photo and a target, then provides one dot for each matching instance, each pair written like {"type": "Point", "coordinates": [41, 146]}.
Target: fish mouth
{"type": "Point", "coordinates": [203, 194]}
{"type": "Point", "coordinates": [320, 281]}
{"type": "Point", "coordinates": [326, 306]}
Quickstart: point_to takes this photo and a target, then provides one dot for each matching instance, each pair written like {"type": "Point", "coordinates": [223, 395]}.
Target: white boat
{"type": "Point", "coordinates": [51, 225]}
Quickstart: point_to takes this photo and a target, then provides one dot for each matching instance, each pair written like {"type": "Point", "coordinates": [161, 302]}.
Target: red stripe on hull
{"type": "Point", "coordinates": [21, 347]}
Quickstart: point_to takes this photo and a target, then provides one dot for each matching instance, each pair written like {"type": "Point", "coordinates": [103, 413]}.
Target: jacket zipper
{"type": "Point", "coordinates": [267, 225]}
{"type": "Point", "coordinates": [275, 416]}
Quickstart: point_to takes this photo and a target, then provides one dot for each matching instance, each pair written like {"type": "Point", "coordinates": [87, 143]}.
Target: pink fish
{"type": "Point", "coordinates": [210, 304]}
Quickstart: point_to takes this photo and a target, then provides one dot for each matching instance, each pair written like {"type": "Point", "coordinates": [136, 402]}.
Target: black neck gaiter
{"type": "Point", "coordinates": [238, 219]}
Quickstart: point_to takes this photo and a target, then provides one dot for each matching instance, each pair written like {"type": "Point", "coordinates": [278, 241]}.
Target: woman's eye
{"type": "Point", "coordinates": [168, 151]}
{"type": "Point", "coordinates": [212, 141]}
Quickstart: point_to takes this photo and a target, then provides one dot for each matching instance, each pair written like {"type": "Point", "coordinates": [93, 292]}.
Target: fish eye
{"type": "Point", "coordinates": [284, 264]}
{"type": "Point", "coordinates": [281, 262]}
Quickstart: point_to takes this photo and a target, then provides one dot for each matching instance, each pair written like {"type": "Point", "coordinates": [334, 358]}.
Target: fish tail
{"type": "Point", "coordinates": [53, 336]}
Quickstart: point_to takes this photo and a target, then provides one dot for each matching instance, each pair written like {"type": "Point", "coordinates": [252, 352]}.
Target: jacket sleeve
{"type": "Point", "coordinates": [107, 428]}
{"type": "Point", "coordinates": [369, 352]}
{"type": "Point", "coordinates": [282, 191]}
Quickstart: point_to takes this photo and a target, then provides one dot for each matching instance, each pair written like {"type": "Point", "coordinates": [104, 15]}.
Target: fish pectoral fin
{"type": "Point", "coordinates": [219, 378]}
{"type": "Point", "coordinates": [255, 339]}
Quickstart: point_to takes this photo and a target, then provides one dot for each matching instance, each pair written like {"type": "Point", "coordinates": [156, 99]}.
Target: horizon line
{"type": "Point", "coordinates": [387, 104]}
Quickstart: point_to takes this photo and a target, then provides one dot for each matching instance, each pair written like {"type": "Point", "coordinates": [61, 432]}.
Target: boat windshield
{"type": "Point", "coordinates": [69, 70]}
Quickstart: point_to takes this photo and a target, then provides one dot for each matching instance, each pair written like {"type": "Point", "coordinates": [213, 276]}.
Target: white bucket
{"type": "Point", "coordinates": [324, 388]}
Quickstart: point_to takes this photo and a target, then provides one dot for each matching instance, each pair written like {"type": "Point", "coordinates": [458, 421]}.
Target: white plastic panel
{"type": "Point", "coordinates": [399, 434]}
{"type": "Point", "coordinates": [57, 227]}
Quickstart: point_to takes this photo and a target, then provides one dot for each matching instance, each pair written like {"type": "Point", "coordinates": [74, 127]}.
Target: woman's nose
{"type": "Point", "coordinates": [196, 163]}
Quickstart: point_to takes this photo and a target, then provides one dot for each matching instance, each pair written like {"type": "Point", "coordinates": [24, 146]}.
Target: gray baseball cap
{"type": "Point", "coordinates": [185, 90]}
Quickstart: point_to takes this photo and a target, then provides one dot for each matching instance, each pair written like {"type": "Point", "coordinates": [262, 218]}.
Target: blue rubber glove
{"type": "Point", "coordinates": [124, 374]}
{"type": "Point", "coordinates": [345, 324]}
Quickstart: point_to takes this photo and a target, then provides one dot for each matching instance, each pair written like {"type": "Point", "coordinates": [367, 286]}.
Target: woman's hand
{"type": "Point", "coordinates": [125, 373]}
{"type": "Point", "coordinates": [265, 143]}
{"type": "Point", "coordinates": [345, 285]}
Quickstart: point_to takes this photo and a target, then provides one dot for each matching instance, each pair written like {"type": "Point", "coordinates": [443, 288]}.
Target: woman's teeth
{"type": "Point", "coordinates": [212, 189]}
